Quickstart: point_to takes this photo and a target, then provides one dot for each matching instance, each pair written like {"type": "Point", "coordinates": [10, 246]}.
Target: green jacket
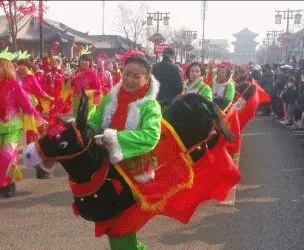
{"type": "Point", "coordinates": [226, 90]}
{"type": "Point", "coordinates": [200, 88]}
{"type": "Point", "coordinates": [143, 124]}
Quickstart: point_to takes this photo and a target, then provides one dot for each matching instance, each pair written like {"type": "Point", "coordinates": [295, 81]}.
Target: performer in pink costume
{"type": "Point", "coordinates": [105, 76]}
{"type": "Point", "coordinates": [16, 114]}
{"type": "Point", "coordinates": [86, 77]}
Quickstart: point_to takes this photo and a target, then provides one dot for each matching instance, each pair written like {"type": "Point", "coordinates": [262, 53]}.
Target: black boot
{"type": "Point", "coordinates": [41, 174]}
{"type": "Point", "coordinates": [9, 191]}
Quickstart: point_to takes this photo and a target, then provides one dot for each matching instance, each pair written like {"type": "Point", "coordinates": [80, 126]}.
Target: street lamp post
{"type": "Point", "coordinates": [158, 16]}
{"type": "Point", "coordinates": [288, 14]}
{"type": "Point", "coordinates": [273, 34]}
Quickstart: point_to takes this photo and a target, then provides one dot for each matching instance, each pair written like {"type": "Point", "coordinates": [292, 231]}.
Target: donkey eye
{"type": "Point", "coordinates": [63, 145]}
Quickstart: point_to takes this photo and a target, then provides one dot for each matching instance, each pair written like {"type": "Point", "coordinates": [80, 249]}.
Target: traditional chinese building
{"type": "Point", "coordinates": [70, 40]}
{"type": "Point", "coordinates": [244, 46]}
{"type": "Point", "coordinates": [112, 44]}
{"type": "Point", "coordinates": [28, 36]}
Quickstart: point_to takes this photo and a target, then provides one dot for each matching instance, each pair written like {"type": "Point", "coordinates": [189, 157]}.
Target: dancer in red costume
{"type": "Point", "coordinates": [53, 81]}
{"type": "Point", "coordinates": [26, 76]}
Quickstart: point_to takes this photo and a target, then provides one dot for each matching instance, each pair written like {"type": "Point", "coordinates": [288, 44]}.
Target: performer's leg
{"type": "Point", "coordinates": [126, 242]}
{"type": "Point", "coordinates": [8, 167]}
{"type": "Point", "coordinates": [8, 159]}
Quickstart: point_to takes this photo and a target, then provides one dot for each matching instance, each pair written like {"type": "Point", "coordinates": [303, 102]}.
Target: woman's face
{"type": "Point", "coordinates": [84, 64]}
{"type": "Point", "coordinates": [22, 70]}
{"type": "Point", "coordinates": [195, 73]}
{"type": "Point", "coordinates": [222, 75]}
{"type": "Point", "coordinates": [134, 77]}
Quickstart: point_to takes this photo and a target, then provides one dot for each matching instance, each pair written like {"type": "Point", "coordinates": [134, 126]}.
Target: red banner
{"type": "Point", "coordinates": [159, 48]}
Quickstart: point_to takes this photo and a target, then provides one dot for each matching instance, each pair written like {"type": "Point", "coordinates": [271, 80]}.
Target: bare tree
{"type": "Point", "coordinates": [13, 11]}
{"type": "Point", "coordinates": [131, 20]}
{"type": "Point", "coordinates": [181, 42]}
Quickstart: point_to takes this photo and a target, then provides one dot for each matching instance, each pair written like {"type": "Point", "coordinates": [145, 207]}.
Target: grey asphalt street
{"type": "Point", "coordinates": [268, 214]}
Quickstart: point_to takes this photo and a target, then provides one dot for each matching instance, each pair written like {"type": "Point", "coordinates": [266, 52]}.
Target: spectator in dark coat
{"type": "Point", "coordinates": [267, 82]}
{"type": "Point", "coordinates": [280, 83]}
{"type": "Point", "coordinates": [169, 76]}
{"type": "Point", "coordinates": [300, 86]}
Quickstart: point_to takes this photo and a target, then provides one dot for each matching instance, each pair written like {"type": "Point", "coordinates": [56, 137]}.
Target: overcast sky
{"type": "Point", "coordinates": [223, 17]}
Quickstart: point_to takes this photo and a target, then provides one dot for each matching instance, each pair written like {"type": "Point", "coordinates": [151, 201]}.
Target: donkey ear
{"type": "Point", "coordinates": [82, 113]}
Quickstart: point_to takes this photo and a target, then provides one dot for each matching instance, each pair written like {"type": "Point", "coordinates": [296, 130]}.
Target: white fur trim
{"type": "Point", "coordinates": [31, 157]}
{"type": "Point", "coordinates": [111, 107]}
{"type": "Point", "coordinates": [142, 178]}
{"type": "Point", "coordinates": [115, 153]}
{"type": "Point", "coordinates": [133, 118]}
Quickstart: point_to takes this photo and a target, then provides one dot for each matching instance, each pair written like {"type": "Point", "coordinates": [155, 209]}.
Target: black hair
{"type": "Point", "coordinates": [86, 57]}
{"type": "Point", "coordinates": [27, 63]}
{"type": "Point", "coordinates": [202, 69]}
{"type": "Point", "coordinates": [139, 60]}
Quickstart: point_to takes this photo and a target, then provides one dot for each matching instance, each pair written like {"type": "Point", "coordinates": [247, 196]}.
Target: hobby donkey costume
{"type": "Point", "coordinates": [153, 173]}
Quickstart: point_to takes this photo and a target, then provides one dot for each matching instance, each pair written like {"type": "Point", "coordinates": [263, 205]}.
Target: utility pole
{"type": "Point", "coordinates": [41, 28]}
{"type": "Point", "coordinates": [103, 16]}
{"type": "Point", "coordinates": [204, 4]}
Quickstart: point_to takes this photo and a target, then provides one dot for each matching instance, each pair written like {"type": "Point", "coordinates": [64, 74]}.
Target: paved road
{"type": "Point", "coordinates": [268, 213]}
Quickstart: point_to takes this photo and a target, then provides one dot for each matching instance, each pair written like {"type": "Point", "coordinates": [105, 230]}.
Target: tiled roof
{"type": "Point", "coordinates": [53, 30]}
{"type": "Point", "coordinates": [245, 32]}
{"type": "Point", "coordinates": [29, 31]}
{"type": "Point", "coordinates": [111, 42]}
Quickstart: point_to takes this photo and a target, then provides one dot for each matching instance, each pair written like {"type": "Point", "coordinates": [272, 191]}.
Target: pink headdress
{"type": "Point", "coordinates": [102, 57]}
{"type": "Point", "coordinates": [129, 53]}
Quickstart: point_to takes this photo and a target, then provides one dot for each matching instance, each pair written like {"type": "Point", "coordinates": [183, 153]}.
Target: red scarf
{"type": "Point", "coordinates": [124, 98]}
{"type": "Point", "coordinates": [4, 86]}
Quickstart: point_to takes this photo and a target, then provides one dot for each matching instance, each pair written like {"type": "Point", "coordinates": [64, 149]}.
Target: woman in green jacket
{"type": "Point", "coordinates": [195, 84]}
{"type": "Point", "coordinates": [131, 119]}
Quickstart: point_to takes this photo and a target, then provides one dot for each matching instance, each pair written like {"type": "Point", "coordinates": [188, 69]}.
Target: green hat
{"type": "Point", "coordinates": [23, 55]}
{"type": "Point", "coordinates": [5, 54]}
{"type": "Point", "coordinates": [85, 51]}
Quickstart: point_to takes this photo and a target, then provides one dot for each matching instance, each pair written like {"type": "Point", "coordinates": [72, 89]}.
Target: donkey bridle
{"type": "Point", "coordinates": [67, 157]}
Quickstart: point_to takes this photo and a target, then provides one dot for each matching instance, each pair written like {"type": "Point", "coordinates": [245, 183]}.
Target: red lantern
{"type": "Point", "coordinates": [93, 47]}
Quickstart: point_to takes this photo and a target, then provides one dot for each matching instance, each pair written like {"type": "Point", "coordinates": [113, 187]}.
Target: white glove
{"type": "Point", "coordinates": [99, 139]}
{"type": "Point", "coordinates": [109, 140]}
